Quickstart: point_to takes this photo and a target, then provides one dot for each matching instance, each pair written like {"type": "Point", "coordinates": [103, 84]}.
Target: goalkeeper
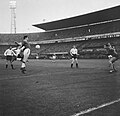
{"type": "Point", "coordinates": [112, 55]}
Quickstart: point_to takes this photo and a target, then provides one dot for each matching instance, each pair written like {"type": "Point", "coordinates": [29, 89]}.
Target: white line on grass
{"type": "Point", "coordinates": [96, 108]}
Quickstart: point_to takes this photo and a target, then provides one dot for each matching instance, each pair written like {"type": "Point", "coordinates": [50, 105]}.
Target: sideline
{"type": "Point", "coordinates": [96, 108]}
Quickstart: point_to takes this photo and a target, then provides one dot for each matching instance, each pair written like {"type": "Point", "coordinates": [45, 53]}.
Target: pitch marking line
{"type": "Point", "coordinates": [96, 108]}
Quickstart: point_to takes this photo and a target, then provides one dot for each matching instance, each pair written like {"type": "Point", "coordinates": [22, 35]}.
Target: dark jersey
{"type": "Point", "coordinates": [25, 44]}
{"type": "Point", "coordinates": [112, 52]}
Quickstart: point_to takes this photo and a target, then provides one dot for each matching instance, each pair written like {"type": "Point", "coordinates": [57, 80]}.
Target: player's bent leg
{"type": "Point", "coordinates": [112, 61]}
{"type": "Point", "coordinates": [111, 65]}
{"type": "Point", "coordinates": [23, 67]}
{"type": "Point", "coordinates": [26, 54]}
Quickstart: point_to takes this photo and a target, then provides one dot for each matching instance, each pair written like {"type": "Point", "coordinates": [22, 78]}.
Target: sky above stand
{"type": "Point", "coordinates": [29, 12]}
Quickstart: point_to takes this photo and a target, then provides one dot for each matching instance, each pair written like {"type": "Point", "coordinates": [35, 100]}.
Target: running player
{"type": "Point", "coordinates": [16, 50]}
{"type": "Point", "coordinates": [74, 54]}
{"type": "Point", "coordinates": [112, 55]}
{"type": "Point", "coordinates": [25, 48]}
{"type": "Point", "coordinates": [9, 55]}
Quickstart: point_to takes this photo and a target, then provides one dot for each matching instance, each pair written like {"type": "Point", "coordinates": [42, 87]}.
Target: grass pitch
{"type": "Point", "coordinates": [54, 89]}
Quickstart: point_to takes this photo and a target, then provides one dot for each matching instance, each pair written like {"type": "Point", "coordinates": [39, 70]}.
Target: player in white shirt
{"type": "Point", "coordinates": [17, 51]}
{"type": "Point", "coordinates": [74, 54]}
{"type": "Point", "coordinates": [9, 55]}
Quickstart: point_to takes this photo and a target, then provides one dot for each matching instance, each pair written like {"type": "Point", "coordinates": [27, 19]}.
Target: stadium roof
{"type": "Point", "coordinates": [94, 17]}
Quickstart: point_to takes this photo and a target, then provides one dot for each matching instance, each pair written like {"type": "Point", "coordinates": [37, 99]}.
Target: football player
{"type": "Point", "coordinates": [74, 54]}
{"type": "Point", "coordinates": [25, 48]}
{"type": "Point", "coordinates": [112, 55]}
{"type": "Point", "coordinates": [9, 55]}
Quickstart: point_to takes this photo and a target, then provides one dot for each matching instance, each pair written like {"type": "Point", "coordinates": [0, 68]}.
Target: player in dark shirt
{"type": "Point", "coordinates": [25, 48]}
{"type": "Point", "coordinates": [112, 55]}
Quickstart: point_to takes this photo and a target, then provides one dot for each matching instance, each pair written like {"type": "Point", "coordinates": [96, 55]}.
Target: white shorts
{"type": "Point", "coordinates": [26, 54]}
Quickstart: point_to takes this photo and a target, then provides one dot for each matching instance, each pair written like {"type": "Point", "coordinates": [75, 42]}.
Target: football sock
{"type": "Point", "coordinates": [6, 65]}
{"type": "Point", "coordinates": [12, 66]}
{"type": "Point", "coordinates": [76, 65]}
{"type": "Point", "coordinates": [71, 65]}
{"type": "Point", "coordinates": [23, 70]}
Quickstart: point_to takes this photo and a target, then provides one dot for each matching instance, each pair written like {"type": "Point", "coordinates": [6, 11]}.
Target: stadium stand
{"type": "Point", "coordinates": [88, 35]}
{"type": "Point", "coordinates": [85, 30]}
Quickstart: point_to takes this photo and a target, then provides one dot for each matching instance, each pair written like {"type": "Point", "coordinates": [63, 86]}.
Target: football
{"type": "Point", "coordinates": [110, 56]}
{"type": "Point", "coordinates": [37, 46]}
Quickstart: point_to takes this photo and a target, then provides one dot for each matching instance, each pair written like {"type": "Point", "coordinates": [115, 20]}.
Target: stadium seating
{"type": "Point", "coordinates": [91, 29]}
{"type": "Point", "coordinates": [72, 33]}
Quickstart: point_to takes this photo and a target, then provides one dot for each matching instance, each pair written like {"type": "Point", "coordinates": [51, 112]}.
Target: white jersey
{"type": "Point", "coordinates": [73, 51]}
{"type": "Point", "coordinates": [16, 50]}
{"type": "Point", "coordinates": [9, 52]}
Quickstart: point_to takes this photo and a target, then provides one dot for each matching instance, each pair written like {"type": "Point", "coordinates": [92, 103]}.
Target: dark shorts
{"type": "Point", "coordinates": [117, 57]}
{"type": "Point", "coordinates": [9, 58]}
{"type": "Point", "coordinates": [74, 56]}
{"type": "Point", "coordinates": [14, 58]}
{"type": "Point", "coordinates": [20, 55]}
{"type": "Point", "coordinates": [114, 58]}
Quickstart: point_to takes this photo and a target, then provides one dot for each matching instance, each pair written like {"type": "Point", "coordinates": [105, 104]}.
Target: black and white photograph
{"type": "Point", "coordinates": [59, 57]}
